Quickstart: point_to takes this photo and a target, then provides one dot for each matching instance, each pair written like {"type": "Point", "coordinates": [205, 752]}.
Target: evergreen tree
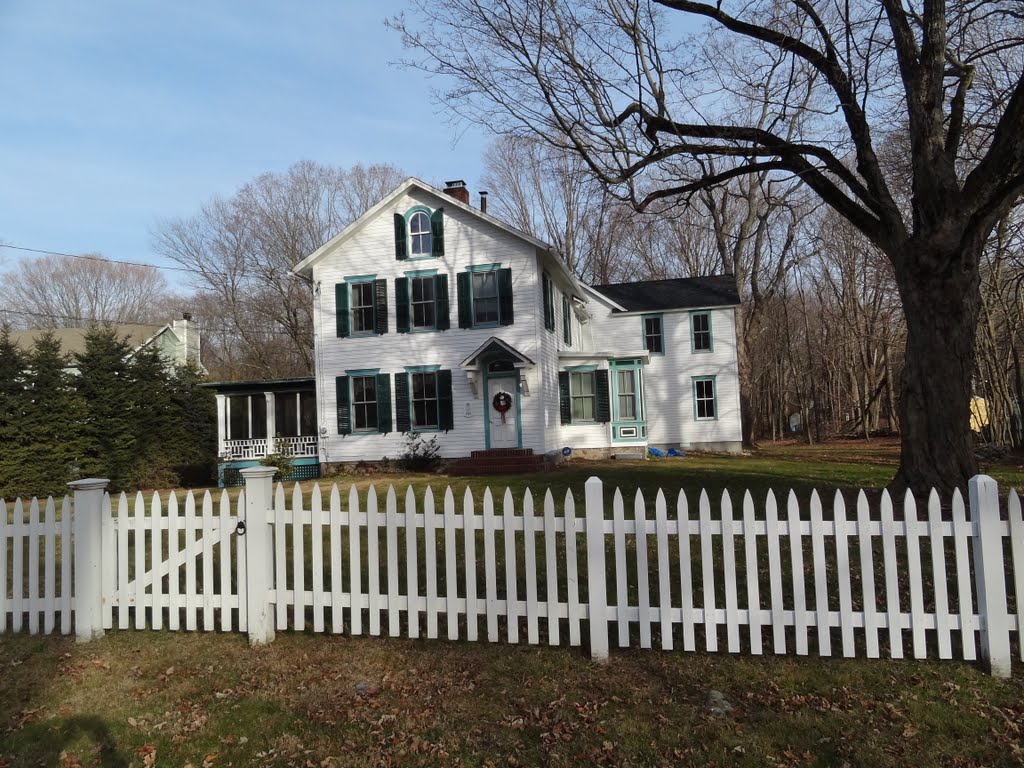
{"type": "Point", "coordinates": [195, 409]}
{"type": "Point", "coordinates": [109, 435]}
{"type": "Point", "coordinates": [154, 419]}
{"type": "Point", "coordinates": [48, 442]}
{"type": "Point", "coordinates": [12, 387]}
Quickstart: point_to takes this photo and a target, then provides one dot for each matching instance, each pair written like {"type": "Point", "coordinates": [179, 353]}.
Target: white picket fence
{"type": "Point", "coordinates": [777, 577]}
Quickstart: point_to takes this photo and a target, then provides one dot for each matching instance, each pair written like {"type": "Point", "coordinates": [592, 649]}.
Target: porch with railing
{"type": "Point", "coordinates": [301, 447]}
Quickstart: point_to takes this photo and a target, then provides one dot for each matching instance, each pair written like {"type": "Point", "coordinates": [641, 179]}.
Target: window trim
{"type": "Point", "coordinates": [693, 333]}
{"type": "Point", "coordinates": [661, 331]}
{"type": "Point", "coordinates": [714, 396]}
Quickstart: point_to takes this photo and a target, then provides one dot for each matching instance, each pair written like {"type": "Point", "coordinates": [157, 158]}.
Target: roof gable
{"type": "Point", "coordinates": [674, 293]}
{"type": "Point", "coordinates": [305, 266]}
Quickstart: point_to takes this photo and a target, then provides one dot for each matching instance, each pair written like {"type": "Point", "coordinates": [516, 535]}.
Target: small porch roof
{"type": "Point", "coordinates": [495, 347]}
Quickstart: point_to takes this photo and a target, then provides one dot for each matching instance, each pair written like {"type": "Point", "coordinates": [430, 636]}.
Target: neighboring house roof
{"type": "Point", "coordinates": [72, 340]}
{"type": "Point", "coordinates": [177, 341]}
{"type": "Point", "coordinates": [305, 266]}
{"type": "Point", "coordinates": [674, 293]}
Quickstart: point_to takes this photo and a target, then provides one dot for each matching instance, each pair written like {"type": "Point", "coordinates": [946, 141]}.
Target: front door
{"type": "Point", "coordinates": [502, 412]}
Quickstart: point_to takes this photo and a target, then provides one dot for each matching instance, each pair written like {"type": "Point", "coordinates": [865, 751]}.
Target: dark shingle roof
{"type": "Point", "coordinates": [675, 293]}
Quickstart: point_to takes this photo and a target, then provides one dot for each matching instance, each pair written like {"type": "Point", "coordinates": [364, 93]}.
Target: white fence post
{"type": "Point", "coordinates": [259, 555]}
{"type": "Point", "coordinates": [597, 589]}
{"type": "Point", "coordinates": [87, 527]}
{"type": "Point", "coordinates": [990, 575]}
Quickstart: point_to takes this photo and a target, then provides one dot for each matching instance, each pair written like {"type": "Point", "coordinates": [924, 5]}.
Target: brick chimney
{"type": "Point", "coordinates": [458, 190]}
{"type": "Point", "coordinates": [483, 202]}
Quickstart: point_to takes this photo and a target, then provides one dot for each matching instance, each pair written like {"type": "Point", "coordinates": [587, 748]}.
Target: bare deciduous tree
{"type": "Point", "coordinates": [256, 315]}
{"type": "Point", "coordinates": [66, 292]}
{"type": "Point", "coordinates": [617, 82]}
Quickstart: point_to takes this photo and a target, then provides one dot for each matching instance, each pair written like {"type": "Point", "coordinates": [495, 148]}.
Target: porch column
{"type": "Point", "coordinates": [271, 418]}
{"type": "Point", "coordinates": [222, 424]}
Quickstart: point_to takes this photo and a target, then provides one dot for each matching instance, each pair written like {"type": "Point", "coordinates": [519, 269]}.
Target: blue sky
{"type": "Point", "coordinates": [116, 113]}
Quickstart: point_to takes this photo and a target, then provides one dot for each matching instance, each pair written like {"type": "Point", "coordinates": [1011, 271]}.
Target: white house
{"type": "Point", "coordinates": [432, 316]}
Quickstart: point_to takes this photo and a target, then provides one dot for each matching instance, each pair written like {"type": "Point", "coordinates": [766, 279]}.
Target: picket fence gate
{"type": "Point", "coordinates": [783, 577]}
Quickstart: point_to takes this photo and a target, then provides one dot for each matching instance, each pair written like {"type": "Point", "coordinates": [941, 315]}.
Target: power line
{"type": "Point", "coordinates": [205, 273]}
{"type": "Point", "coordinates": [88, 257]}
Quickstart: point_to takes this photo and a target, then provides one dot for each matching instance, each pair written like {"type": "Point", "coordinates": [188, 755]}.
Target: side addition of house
{"type": "Point", "coordinates": [433, 316]}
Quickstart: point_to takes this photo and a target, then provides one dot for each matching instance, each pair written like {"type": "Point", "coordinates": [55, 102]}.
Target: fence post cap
{"type": "Point", "coordinates": [89, 483]}
{"type": "Point", "coordinates": [594, 480]}
{"type": "Point", "coordinates": [257, 472]}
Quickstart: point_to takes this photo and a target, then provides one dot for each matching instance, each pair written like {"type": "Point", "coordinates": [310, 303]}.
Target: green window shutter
{"type": "Point", "coordinates": [566, 320]}
{"type": "Point", "coordinates": [383, 403]}
{"type": "Point", "coordinates": [445, 408]}
{"type": "Point", "coordinates": [344, 409]}
{"type": "Point", "coordinates": [401, 247]}
{"type": "Point", "coordinates": [437, 232]}
{"type": "Point", "coordinates": [402, 304]}
{"type": "Point", "coordinates": [380, 306]}
{"type": "Point", "coordinates": [549, 304]}
{"type": "Point", "coordinates": [602, 401]}
{"type": "Point", "coordinates": [463, 286]}
{"type": "Point", "coordinates": [441, 310]}
{"type": "Point", "coordinates": [564, 401]}
{"type": "Point", "coordinates": [341, 308]}
{"type": "Point", "coordinates": [403, 420]}
{"type": "Point", "coordinates": [505, 314]}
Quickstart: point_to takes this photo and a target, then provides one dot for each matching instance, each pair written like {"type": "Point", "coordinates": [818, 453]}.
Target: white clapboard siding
{"type": "Point", "coordinates": [346, 567]}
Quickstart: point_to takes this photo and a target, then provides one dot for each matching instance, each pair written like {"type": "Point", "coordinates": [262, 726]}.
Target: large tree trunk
{"type": "Point", "coordinates": [941, 312]}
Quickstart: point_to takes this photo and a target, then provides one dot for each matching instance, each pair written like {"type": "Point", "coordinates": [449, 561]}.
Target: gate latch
{"type": "Point", "coordinates": [240, 528]}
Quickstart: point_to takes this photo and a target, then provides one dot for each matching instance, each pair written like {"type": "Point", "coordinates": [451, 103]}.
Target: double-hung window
{"type": "Point", "coordinates": [364, 402]}
{"type": "Point", "coordinates": [626, 394]}
{"type": "Point", "coordinates": [421, 301]}
{"type": "Point", "coordinates": [704, 404]}
{"type": "Point", "coordinates": [581, 387]}
{"type": "Point", "coordinates": [485, 296]}
{"type": "Point", "coordinates": [583, 396]}
{"type": "Point", "coordinates": [361, 306]}
{"type": "Point", "coordinates": [423, 399]}
{"type": "Point", "coordinates": [653, 335]}
{"type": "Point", "coordinates": [700, 330]}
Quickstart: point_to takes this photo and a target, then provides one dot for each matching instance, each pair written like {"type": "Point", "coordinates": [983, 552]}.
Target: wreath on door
{"type": "Point", "coordinates": [502, 403]}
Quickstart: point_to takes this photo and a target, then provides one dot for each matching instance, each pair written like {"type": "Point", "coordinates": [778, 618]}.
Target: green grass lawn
{"type": "Point", "coordinates": [204, 699]}
{"type": "Point", "coordinates": [332, 701]}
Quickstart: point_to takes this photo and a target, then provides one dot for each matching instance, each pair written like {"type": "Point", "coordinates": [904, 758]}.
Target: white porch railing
{"type": "Point", "coordinates": [301, 447]}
